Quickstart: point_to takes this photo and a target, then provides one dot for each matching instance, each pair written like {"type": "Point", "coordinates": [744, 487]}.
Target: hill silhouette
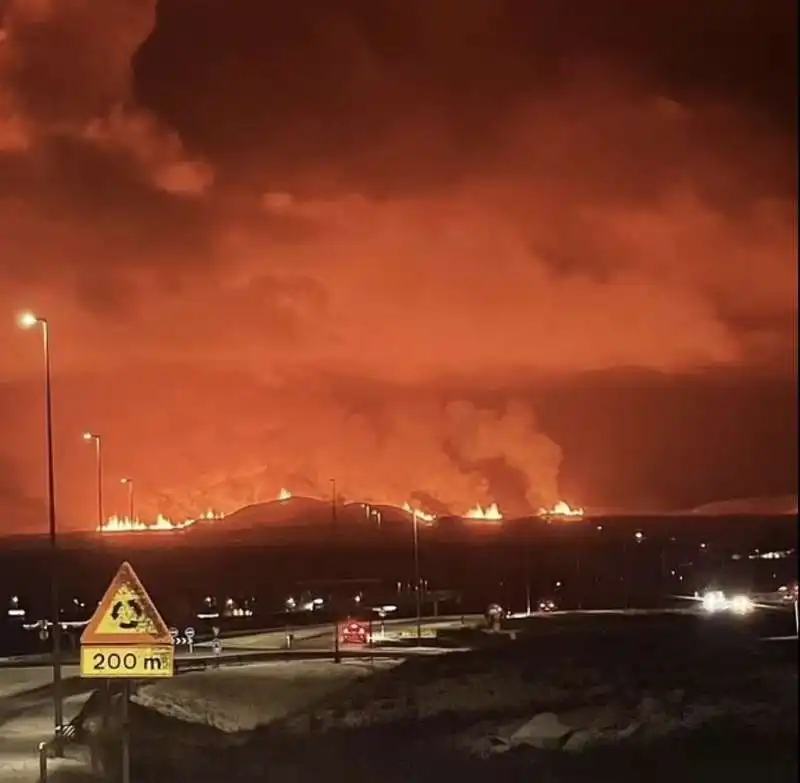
{"type": "Point", "coordinates": [768, 506]}
{"type": "Point", "coordinates": [299, 511]}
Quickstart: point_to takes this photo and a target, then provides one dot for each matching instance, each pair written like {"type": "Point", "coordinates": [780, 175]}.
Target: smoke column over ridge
{"type": "Point", "coordinates": [436, 453]}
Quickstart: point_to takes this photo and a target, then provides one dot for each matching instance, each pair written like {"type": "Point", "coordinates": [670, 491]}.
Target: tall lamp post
{"type": "Point", "coordinates": [30, 321]}
{"type": "Point", "coordinates": [337, 655]}
{"type": "Point", "coordinates": [417, 579]}
{"type": "Point", "coordinates": [90, 437]}
{"type": "Point", "coordinates": [128, 482]}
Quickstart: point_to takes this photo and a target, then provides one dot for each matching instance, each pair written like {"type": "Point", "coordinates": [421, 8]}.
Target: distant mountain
{"type": "Point", "coordinates": [766, 506]}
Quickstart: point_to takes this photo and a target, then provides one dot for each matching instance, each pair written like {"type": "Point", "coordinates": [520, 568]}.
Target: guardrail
{"type": "Point", "coordinates": [201, 663]}
{"type": "Point", "coordinates": [42, 660]}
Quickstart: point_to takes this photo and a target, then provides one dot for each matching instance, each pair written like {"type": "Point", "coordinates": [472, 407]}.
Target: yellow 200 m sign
{"type": "Point", "coordinates": [127, 661]}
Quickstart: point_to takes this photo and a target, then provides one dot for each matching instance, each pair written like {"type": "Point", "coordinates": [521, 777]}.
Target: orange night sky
{"type": "Point", "coordinates": [460, 251]}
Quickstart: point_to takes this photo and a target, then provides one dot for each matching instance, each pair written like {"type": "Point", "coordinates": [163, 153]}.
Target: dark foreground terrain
{"type": "Point", "coordinates": [664, 698]}
{"type": "Point", "coordinates": [722, 753]}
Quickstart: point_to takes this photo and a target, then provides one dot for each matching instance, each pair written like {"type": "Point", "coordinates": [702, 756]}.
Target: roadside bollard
{"type": "Point", "coordinates": [43, 750]}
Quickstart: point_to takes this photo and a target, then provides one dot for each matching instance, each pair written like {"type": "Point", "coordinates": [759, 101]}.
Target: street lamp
{"type": "Point", "coordinates": [30, 321]}
{"type": "Point", "coordinates": [90, 437]}
{"type": "Point", "coordinates": [128, 482]}
{"type": "Point", "coordinates": [337, 654]}
{"type": "Point", "coordinates": [526, 554]}
{"type": "Point", "coordinates": [417, 580]}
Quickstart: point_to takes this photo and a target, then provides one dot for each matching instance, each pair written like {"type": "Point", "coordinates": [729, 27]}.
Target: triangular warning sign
{"type": "Point", "coordinates": [126, 615]}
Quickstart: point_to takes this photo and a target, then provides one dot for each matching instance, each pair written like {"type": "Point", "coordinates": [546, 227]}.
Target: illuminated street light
{"type": "Point", "coordinates": [128, 482]}
{"type": "Point", "coordinates": [90, 437]}
{"type": "Point", "coordinates": [29, 321]}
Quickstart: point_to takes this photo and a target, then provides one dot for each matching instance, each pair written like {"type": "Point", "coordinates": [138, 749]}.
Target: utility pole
{"type": "Point", "coordinates": [417, 579]}
{"type": "Point", "coordinates": [128, 482]}
{"type": "Point", "coordinates": [58, 695]}
{"type": "Point", "coordinates": [337, 654]}
{"type": "Point", "coordinates": [91, 437]}
{"type": "Point", "coordinates": [333, 506]}
{"type": "Point", "coordinates": [526, 548]}
{"type": "Point", "coordinates": [100, 516]}
{"type": "Point", "coordinates": [579, 563]}
{"type": "Point", "coordinates": [527, 593]}
{"type": "Point", "coordinates": [29, 321]}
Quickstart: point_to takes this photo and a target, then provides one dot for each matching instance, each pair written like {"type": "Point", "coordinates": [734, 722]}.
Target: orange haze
{"type": "Point", "coordinates": [221, 312]}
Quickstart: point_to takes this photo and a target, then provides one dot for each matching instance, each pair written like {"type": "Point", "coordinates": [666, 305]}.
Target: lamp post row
{"type": "Point", "coordinates": [32, 321]}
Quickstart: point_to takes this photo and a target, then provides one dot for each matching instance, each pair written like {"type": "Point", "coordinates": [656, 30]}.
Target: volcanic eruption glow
{"type": "Point", "coordinates": [422, 516]}
{"type": "Point", "coordinates": [491, 513]}
{"type": "Point", "coordinates": [116, 524]}
{"type": "Point", "coordinates": [561, 510]}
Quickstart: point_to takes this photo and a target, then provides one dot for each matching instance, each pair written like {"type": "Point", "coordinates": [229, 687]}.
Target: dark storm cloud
{"type": "Point", "coordinates": [73, 183]}
{"type": "Point", "coordinates": [69, 61]}
{"type": "Point", "coordinates": [361, 66]}
{"type": "Point", "coordinates": [92, 184]}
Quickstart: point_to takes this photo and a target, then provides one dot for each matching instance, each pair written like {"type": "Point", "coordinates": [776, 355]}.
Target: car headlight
{"type": "Point", "coordinates": [714, 601]}
{"type": "Point", "coordinates": [741, 604]}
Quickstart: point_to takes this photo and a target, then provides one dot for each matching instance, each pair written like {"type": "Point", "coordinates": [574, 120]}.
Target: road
{"type": "Point", "coordinates": [268, 639]}
{"type": "Point", "coordinates": [26, 707]}
{"type": "Point", "coordinates": [320, 637]}
{"type": "Point", "coordinates": [317, 638]}
{"type": "Point", "coordinates": [26, 719]}
{"type": "Point", "coordinates": [26, 694]}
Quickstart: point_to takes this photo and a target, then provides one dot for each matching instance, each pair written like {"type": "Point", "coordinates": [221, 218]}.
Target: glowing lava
{"type": "Point", "coordinates": [561, 510]}
{"type": "Point", "coordinates": [422, 516]}
{"type": "Point", "coordinates": [489, 514]}
{"type": "Point", "coordinates": [115, 524]}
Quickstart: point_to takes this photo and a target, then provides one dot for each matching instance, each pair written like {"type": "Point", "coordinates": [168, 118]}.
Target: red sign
{"type": "Point", "coordinates": [354, 632]}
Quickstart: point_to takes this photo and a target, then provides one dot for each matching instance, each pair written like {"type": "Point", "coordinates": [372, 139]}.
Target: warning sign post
{"type": "Point", "coordinates": [127, 639]}
{"type": "Point", "coordinates": [126, 615]}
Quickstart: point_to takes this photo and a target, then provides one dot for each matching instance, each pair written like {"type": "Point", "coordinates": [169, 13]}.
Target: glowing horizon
{"type": "Point", "coordinates": [490, 513]}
